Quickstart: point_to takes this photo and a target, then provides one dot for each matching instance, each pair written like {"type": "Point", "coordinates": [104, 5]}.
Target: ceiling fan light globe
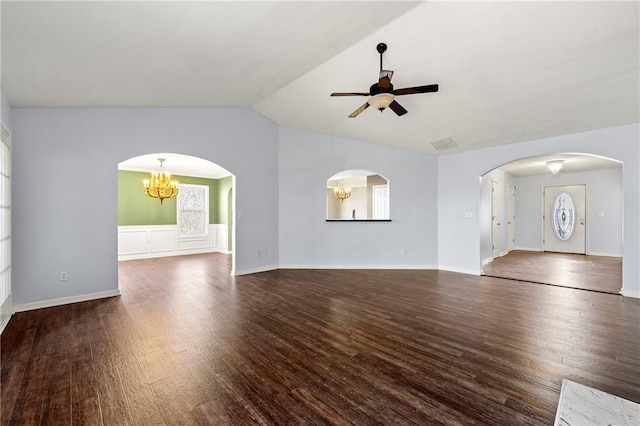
{"type": "Point", "coordinates": [381, 100]}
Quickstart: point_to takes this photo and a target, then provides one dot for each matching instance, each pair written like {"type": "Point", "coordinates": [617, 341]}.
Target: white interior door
{"type": "Point", "coordinates": [511, 217]}
{"type": "Point", "coordinates": [565, 219]}
{"type": "Point", "coordinates": [381, 202]}
{"type": "Point", "coordinates": [495, 219]}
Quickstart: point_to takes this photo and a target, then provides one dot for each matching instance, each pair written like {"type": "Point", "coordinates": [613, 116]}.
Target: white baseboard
{"type": "Point", "coordinates": [591, 253]}
{"type": "Point", "coordinates": [634, 294]}
{"type": "Point", "coordinates": [255, 270]}
{"type": "Point", "coordinates": [4, 323]}
{"type": "Point", "coordinates": [595, 253]}
{"type": "Point", "coordinates": [168, 254]}
{"type": "Point", "coordinates": [65, 300]}
{"type": "Point", "coordinates": [358, 267]}
{"type": "Point", "coordinates": [487, 260]}
{"type": "Point", "coordinates": [6, 310]}
{"type": "Point", "coordinates": [460, 270]}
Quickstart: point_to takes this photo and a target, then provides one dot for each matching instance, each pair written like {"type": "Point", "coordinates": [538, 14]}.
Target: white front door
{"type": "Point", "coordinates": [565, 219]}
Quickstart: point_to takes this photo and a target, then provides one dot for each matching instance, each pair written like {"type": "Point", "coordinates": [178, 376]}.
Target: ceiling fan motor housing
{"type": "Point", "coordinates": [375, 89]}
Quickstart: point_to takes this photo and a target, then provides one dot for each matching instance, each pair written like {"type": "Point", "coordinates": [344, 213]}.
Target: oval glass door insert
{"type": "Point", "coordinates": [564, 216]}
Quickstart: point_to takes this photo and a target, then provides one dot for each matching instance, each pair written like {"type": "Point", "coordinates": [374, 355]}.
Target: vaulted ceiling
{"type": "Point", "coordinates": [508, 71]}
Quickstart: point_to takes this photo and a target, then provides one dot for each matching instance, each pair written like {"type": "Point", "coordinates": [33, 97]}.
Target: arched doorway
{"type": "Point", "coordinates": [194, 221]}
{"type": "Point", "coordinates": [515, 212]}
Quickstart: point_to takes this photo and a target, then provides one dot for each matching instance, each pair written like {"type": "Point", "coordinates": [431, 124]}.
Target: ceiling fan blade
{"type": "Point", "coordinates": [417, 89]}
{"type": "Point", "coordinates": [357, 112]}
{"type": "Point", "coordinates": [350, 94]}
{"type": "Point", "coordinates": [397, 108]}
{"type": "Point", "coordinates": [385, 79]}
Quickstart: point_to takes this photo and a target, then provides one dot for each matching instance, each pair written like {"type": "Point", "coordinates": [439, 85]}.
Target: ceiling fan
{"type": "Point", "coordinates": [383, 94]}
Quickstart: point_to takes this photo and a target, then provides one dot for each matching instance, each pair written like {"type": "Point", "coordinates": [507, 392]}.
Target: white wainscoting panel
{"type": "Point", "coordinates": [222, 236]}
{"type": "Point", "coordinates": [213, 236]}
{"type": "Point", "coordinates": [132, 241]}
{"type": "Point", "coordinates": [141, 242]}
{"type": "Point", "coordinates": [163, 240]}
{"type": "Point", "coordinates": [193, 244]}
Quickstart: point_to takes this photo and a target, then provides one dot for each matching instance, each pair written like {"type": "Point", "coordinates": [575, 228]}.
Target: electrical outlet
{"type": "Point", "coordinates": [64, 276]}
{"type": "Point", "coordinates": [259, 253]}
{"type": "Point", "coordinates": [270, 252]}
{"type": "Point", "coordinates": [403, 252]}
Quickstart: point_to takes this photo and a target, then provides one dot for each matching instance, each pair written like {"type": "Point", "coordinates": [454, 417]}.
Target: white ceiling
{"type": "Point", "coordinates": [508, 71]}
{"type": "Point", "coordinates": [172, 53]}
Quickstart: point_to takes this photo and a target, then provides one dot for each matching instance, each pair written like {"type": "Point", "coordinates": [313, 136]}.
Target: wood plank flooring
{"type": "Point", "coordinates": [188, 344]}
{"type": "Point", "coordinates": [596, 273]}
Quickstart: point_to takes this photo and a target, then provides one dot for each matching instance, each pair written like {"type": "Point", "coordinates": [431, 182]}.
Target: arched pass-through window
{"type": "Point", "coordinates": [357, 195]}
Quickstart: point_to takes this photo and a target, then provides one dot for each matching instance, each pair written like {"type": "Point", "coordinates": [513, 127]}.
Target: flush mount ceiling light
{"type": "Point", "coordinates": [160, 185]}
{"type": "Point", "coordinates": [555, 166]}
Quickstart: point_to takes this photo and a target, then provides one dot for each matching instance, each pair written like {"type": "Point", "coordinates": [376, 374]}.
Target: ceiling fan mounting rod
{"type": "Point", "coordinates": [381, 48]}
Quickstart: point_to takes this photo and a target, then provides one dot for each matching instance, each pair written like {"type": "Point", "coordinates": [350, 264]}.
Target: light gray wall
{"type": "Point", "coordinates": [65, 187]}
{"type": "Point", "coordinates": [307, 160]}
{"type": "Point", "coordinates": [459, 192]}
{"type": "Point", "coordinates": [70, 224]}
{"type": "Point", "coordinates": [604, 194]}
{"type": "Point", "coordinates": [6, 112]}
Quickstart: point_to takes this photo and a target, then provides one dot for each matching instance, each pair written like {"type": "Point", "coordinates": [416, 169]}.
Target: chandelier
{"type": "Point", "coordinates": [555, 166]}
{"type": "Point", "coordinates": [342, 192]}
{"type": "Point", "coordinates": [160, 184]}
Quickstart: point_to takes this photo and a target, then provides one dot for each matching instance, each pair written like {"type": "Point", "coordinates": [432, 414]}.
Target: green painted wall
{"type": "Point", "coordinates": [137, 208]}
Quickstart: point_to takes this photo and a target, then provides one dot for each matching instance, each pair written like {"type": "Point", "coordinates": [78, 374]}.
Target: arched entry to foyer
{"type": "Point", "coordinates": [517, 228]}
{"type": "Point", "coordinates": [195, 221]}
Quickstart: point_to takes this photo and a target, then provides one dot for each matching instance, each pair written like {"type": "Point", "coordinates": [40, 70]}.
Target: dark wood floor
{"type": "Point", "coordinates": [596, 273]}
{"type": "Point", "coordinates": [188, 344]}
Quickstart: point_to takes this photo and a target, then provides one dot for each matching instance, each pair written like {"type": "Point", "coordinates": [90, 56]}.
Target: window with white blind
{"type": "Point", "coordinates": [193, 210]}
{"type": "Point", "coordinates": [5, 228]}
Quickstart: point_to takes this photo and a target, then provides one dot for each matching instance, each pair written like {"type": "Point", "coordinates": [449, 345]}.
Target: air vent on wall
{"type": "Point", "coordinates": [443, 144]}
